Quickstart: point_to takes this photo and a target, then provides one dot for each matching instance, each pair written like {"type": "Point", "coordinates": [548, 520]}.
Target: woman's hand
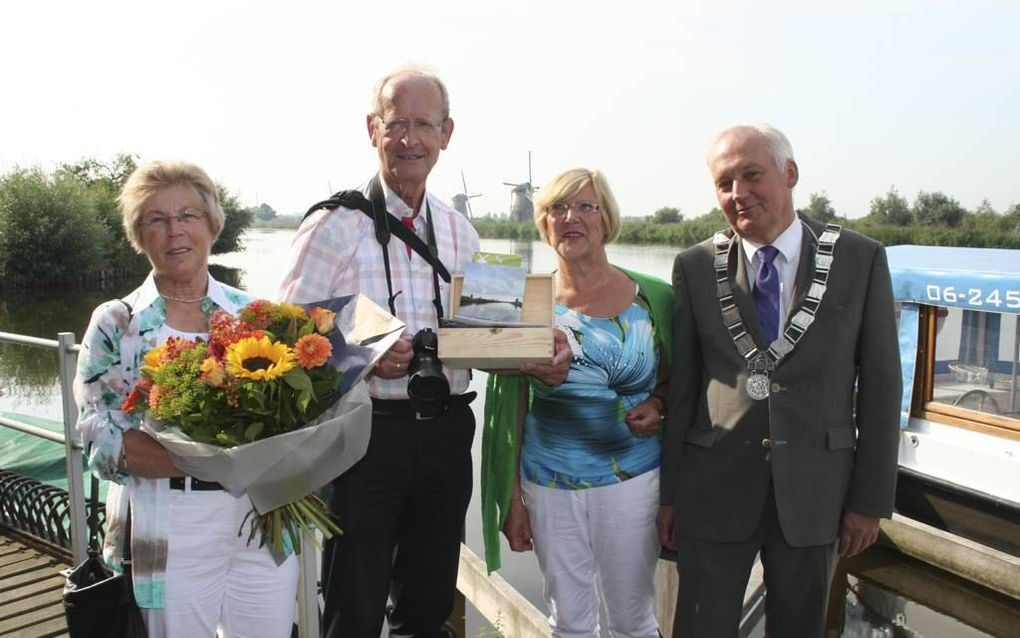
{"type": "Point", "coordinates": [645, 419]}
{"type": "Point", "coordinates": [517, 527]}
{"type": "Point", "coordinates": [555, 372]}
{"type": "Point", "coordinates": [143, 456]}
{"type": "Point", "coordinates": [393, 364]}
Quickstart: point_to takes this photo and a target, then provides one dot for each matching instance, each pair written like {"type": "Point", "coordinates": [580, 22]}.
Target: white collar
{"type": "Point", "coordinates": [398, 207]}
{"type": "Point", "coordinates": [788, 243]}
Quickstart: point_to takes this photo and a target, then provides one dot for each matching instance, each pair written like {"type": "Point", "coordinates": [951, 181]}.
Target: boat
{"type": "Point", "coordinates": [959, 450]}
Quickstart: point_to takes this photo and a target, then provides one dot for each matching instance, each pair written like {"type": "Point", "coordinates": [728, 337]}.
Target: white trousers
{"type": "Point", "coordinates": [216, 584]}
{"type": "Point", "coordinates": [598, 539]}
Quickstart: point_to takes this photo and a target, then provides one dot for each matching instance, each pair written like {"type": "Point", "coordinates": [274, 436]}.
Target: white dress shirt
{"type": "Point", "coordinates": [789, 245]}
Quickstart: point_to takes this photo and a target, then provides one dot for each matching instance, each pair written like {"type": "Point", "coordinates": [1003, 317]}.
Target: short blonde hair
{"type": "Point", "coordinates": [381, 99]}
{"type": "Point", "coordinates": [148, 179]}
{"type": "Point", "coordinates": [568, 184]}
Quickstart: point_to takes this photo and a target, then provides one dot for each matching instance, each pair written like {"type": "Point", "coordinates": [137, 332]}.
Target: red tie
{"type": "Point", "coordinates": [409, 222]}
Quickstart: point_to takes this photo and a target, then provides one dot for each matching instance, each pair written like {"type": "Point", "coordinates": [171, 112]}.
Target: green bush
{"type": "Point", "coordinates": [49, 227]}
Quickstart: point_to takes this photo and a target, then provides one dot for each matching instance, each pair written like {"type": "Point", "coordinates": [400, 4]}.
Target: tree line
{"type": "Point", "coordinates": [64, 226]}
{"type": "Point", "coordinates": [934, 219]}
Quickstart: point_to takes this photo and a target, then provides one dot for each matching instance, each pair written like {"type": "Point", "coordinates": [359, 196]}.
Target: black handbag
{"type": "Point", "coordinates": [98, 602]}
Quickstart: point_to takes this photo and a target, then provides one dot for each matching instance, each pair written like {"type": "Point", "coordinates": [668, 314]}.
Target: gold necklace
{"type": "Point", "coordinates": [179, 300]}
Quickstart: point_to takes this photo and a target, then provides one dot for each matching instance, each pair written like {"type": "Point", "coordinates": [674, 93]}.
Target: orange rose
{"type": "Point", "coordinates": [323, 319]}
{"type": "Point", "coordinates": [213, 372]}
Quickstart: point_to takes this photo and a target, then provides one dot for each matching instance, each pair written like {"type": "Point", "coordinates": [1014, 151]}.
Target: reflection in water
{"type": "Point", "coordinates": [29, 381]}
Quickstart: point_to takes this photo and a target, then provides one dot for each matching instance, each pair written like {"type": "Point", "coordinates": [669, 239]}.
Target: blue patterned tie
{"type": "Point", "coordinates": [766, 293]}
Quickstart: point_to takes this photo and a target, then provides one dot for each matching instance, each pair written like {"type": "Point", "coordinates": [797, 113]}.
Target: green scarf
{"type": "Point", "coordinates": [499, 430]}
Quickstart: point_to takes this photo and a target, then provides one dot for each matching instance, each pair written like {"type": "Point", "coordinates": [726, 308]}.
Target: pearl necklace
{"type": "Point", "coordinates": [179, 300]}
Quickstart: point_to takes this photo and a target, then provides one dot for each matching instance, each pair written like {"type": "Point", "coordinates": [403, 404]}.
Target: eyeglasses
{"type": "Point", "coordinates": [560, 209]}
{"type": "Point", "coordinates": [400, 126]}
{"type": "Point", "coordinates": [187, 218]}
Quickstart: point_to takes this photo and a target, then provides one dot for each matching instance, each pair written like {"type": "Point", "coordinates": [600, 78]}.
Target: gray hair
{"type": "Point", "coordinates": [380, 100]}
{"type": "Point", "coordinates": [779, 145]}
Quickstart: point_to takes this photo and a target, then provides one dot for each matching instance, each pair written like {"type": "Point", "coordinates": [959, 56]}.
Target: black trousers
{"type": "Point", "coordinates": [714, 576]}
{"type": "Point", "coordinates": [402, 510]}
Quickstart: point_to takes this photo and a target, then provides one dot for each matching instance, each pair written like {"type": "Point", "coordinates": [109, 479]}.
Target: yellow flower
{"type": "Point", "coordinates": [213, 373]}
{"type": "Point", "coordinates": [291, 311]}
{"type": "Point", "coordinates": [154, 359]}
{"type": "Point", "coordinates": [259, 359]}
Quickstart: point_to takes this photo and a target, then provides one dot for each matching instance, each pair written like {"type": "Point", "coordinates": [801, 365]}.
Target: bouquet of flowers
{"type": "Point", "coordinates": [263, 407]}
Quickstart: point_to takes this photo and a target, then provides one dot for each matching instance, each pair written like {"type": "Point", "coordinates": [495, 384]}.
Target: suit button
{"type": "Point", "coordinates": [776, 387]}
{"type": "Point", "coordinates": [766, 443]}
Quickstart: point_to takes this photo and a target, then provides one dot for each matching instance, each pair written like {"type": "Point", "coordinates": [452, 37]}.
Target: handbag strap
{"type": "Point", "coordinates": [93, 520]}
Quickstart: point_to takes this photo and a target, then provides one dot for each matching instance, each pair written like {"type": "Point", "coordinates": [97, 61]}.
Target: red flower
{"type": "Point", "coordinates": [139, 392]}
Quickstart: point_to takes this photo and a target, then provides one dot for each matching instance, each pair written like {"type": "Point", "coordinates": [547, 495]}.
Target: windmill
{"type": "Point", "coordinates": [522, 208]}
{"type": "Point", "coordinates": [462, 201]}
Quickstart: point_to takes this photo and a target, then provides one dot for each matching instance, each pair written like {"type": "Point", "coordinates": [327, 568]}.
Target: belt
{"type": "Point", "coordinates": [178, 482]}
{"type": "Point", "coordinates": [404, 409]}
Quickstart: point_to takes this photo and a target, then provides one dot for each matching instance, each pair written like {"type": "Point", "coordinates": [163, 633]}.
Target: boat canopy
{"type": "Point", "coordinates": [985, 278]}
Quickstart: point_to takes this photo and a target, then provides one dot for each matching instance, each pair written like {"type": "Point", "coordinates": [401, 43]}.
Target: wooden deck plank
{"type": "Point", "coordinates": [31, 589]}
{"type": "Point", "coordinates": [9, 548]}
{"type": "Point", "coordinates": [17, 557]}
{"type": "Point", "coordinates": [41, 600]}
{"type": "Point", "coordinates": [9, 596]}
{"type": "Point", "coordinates": [35, 617]}
{"type": "Point", "coordinates": [32, 564]}
{"type": "Point", "coordinates": [50, 629]}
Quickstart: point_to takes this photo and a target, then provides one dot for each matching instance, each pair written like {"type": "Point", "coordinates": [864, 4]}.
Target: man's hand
{"type": "Point", "coordinates": [553, 373]}
{"type": "Point", "coordinates": [666, 523]}
{"type": "Point", "coordinates": [393, 364]}
{"type": "Point", "coordinates": [644, 419]}
{"type": "Point", "coordinates": [517, 527]}
{"type": "Point", "coordinates": [857, 533]}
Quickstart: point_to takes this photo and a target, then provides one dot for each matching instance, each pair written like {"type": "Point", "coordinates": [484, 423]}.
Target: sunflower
{"type": "Point", "coordinates": [259, 359]}
{"type": "Point", "coordinates": [312, 351]}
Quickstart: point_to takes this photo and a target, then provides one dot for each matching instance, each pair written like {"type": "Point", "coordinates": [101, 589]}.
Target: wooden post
{"type": "Point", "coordinates": [835, 616]}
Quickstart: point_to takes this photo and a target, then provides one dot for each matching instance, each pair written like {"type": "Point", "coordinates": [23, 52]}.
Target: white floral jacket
{"type": "Point", "coordinates": [119, 335]}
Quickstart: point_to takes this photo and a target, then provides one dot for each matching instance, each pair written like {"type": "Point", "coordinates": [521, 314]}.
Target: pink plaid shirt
{"type": "Point", "coordinates": [335, 253]}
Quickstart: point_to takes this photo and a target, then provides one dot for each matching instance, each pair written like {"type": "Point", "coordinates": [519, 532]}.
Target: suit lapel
{"type": "Point", "coordinates": [737, 270]}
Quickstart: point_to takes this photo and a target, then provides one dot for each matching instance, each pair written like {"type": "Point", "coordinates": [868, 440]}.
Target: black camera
{"type": "Point", "coordinates": [427, 387]}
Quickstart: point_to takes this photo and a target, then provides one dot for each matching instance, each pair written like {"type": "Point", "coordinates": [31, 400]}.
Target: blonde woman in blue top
{"type": "Point", "coordinates": [192, 574]}
{"type": "Point", "coordinates": [586, 494]}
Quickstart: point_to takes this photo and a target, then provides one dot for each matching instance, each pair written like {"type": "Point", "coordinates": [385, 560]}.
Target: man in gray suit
{"type": "Point", "coordinates": [781, 432]}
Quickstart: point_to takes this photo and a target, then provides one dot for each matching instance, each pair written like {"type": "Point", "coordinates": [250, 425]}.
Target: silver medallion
{"type": "Point", "coordinates": [757, 386]}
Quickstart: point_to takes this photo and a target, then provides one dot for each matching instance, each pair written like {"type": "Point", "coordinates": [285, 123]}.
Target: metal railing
{"type": "Point", "coordinates": [67, 357]}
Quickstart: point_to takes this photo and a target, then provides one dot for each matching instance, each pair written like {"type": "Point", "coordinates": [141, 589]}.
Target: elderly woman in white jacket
{"type": "Point", "coordinates": [193, 575]}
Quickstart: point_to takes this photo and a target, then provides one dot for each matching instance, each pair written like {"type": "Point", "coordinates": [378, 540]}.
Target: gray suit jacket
{"type": "Point", "coordinates": [832, 417]}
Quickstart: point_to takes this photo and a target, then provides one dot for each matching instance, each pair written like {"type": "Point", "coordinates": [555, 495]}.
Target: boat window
{"type": "Point", "coordinates": [971, 368]}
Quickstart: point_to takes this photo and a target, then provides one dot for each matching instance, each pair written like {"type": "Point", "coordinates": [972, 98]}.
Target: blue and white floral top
{"type": "Point", "coordinates": [113, 349]}
{"type": "Point", "coordinates": [575, 435]}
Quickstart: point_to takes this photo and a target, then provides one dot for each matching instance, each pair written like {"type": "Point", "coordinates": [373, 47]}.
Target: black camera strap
{"type": "Point", "coordinates": [385, 225]}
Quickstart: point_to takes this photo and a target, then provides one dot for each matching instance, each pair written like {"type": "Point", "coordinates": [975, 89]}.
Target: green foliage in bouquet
{"type": "Point", "coordinates": [261, 374]}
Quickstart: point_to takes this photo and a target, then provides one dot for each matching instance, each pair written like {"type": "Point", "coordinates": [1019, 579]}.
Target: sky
{"type": "Point", "coordinates": [270, 97]}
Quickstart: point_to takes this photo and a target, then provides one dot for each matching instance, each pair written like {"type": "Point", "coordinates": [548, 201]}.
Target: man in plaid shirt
{"type": "Point", "coordinates": [402, 506]}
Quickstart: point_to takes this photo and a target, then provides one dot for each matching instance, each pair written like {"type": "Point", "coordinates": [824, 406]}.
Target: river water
{"type": "Point", "coordinates": [28, 385]}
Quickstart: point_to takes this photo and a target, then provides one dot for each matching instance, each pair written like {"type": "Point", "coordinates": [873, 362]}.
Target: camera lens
{"type": "Point", "coordinates": [427, 387]}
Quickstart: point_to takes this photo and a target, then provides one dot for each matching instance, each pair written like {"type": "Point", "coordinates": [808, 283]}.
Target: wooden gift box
{"type": "Point", "coordinates": [503, 348]}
